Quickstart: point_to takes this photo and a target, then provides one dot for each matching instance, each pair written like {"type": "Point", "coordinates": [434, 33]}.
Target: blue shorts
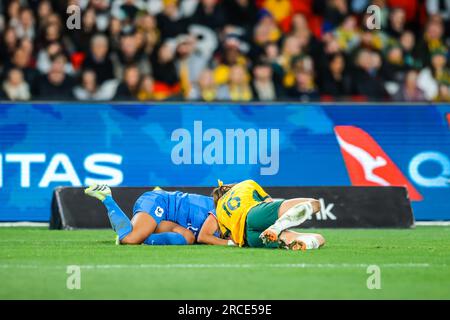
{"type": "Point", "coordinates": [154, 204]}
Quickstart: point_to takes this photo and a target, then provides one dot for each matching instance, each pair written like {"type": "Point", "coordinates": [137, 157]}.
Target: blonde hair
{"type": "Point", "coordinates": [220, 191]}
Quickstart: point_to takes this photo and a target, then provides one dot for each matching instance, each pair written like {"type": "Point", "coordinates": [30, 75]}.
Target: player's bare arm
{"type": "Point", "coordinates": [208, 231]}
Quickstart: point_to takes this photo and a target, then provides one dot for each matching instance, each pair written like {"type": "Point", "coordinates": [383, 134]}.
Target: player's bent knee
{"type": "Point", "coordinates": [143, 226]}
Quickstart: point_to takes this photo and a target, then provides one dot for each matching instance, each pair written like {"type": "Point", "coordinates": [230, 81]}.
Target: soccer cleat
{"type": "Point", "coordinates": [295, 245]}
{"type": "Point", "coordinates": [99, 191]}
{"type": "Point", "coordinates": [294, 217]}
{"type": "Point", "coordinates": [301, 242]}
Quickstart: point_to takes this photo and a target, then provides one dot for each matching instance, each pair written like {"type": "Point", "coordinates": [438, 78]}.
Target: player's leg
{"type": "Point", "coordinates": [118, 219]}
{"type": "Point", "coordinates": [291, 213]}
{"type": "Point", "coordinates": [292, 240]}
{"type": "Point", "coordinates": [253, 240]}
{"type": "Point", "coordinates": [143, 225]}
{"type": "Point", "coordinates": [260, 218]}
{"type": "Point", "coordinates": [170, 233]}
{"type": "Point", "coordinates": [150, 210]}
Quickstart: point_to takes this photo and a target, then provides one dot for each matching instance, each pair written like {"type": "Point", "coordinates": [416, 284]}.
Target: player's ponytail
{"type": "Point", "coordinates": [220, 191]}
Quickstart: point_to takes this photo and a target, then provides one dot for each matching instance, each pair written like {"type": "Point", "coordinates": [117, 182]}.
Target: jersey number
{"type": "Point", "coordinates": [232, 204]}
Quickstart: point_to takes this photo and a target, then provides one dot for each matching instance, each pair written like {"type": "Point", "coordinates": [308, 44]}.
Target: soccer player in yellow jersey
{"type": "Point", "coordinates": [247, 216]}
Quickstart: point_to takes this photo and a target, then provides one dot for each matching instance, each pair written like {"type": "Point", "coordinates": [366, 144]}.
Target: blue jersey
{"type": "Point", "coordinates": [187, 210]}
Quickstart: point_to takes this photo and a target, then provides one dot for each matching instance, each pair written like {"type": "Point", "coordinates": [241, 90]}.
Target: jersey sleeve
{"type": "Point", "coordinates": [213, 213]}
{"type": "Point", "coordinates": [262, 194]}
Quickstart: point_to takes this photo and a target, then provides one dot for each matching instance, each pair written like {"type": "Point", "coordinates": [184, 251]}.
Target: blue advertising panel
{"type": "Point", "coordinates": [43, 146]}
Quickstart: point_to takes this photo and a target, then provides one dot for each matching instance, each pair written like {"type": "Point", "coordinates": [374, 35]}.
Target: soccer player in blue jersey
{"type": "Point", "coordinates": [162, 218]}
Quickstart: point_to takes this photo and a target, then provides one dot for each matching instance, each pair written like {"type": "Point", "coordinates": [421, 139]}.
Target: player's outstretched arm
{"type": "Point", "coordinates": [209, 228]}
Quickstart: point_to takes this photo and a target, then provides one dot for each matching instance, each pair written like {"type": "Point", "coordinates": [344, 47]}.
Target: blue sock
{"type": "Point", "coordinates": [166, 239]}
{"type": "Point", "coordinates": [119, 220]}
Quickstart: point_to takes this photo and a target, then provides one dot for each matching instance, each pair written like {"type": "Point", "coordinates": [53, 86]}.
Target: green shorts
{"type": "Point", "coordinates": [259, 218]}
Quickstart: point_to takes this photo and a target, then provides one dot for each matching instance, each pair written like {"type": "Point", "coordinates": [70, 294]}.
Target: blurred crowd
{"type": "Point", "coordinates": [224, 50]}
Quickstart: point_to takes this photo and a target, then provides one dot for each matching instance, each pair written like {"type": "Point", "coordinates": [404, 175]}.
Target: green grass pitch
{"type": "Point", "coordinates": [414, 264]}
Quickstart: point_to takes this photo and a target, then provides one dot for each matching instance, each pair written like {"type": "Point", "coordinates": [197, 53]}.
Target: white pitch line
{"type": "Point", "coordinates": [23, 224]}
{"type": "Point", "coordinates": [224, 266]}
{"type": "Point", "coordinates": [433, 223]}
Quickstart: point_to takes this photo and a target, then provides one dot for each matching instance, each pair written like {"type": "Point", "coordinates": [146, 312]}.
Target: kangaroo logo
{"type": "Point", "coordinates": [367, 163]}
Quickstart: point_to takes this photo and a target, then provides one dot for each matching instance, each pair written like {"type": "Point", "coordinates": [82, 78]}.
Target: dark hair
{"type": "Point", "coordinates": [219, 192]}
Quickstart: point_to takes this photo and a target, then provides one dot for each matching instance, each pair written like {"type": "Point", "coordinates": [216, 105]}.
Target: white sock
{"type": "Point", "coordinates": [293, 217]}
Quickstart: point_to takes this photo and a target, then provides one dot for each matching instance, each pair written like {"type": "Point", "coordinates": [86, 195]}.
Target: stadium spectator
{"type": "Point", "coordinates": [397, 22]}
{"type": "Point", "coordinates": [44, 11]}
{"type": "Point", "coordinates": [407, 43]}
{"type": "Point", "coordinates": [13, 14]}
{"type": "Point", "coordinates": [167, 81]}
{"type": "Point", "coordinates": [128, 89]}
{"type": "Point", "coordinates": [56, 85]}
{"type": "Point", "coordinates": [206, 89]}
{"type": "Point", "coordinates": [231, 53]}
{"type": "Point", "coordinates": [147, 28]}
{"type": "Point", "coordinates": [8, 45]}
{"type": "Point", "coordinates": [46, 56]}
{"type": "Point", "coordinates": [15, 87]}
{"type": "Point", "coordinates": [22, 60]}
{"type": "Point", "coordinates": [441, 8]}
{"type": "Point", "coordinates": [367, 80]}
{"type": "Point", "coordinates": [409, 91]}
{"type": "Point", "coordinates": [241, 13]}
{"type": "Point", "coordinates": [146, 89]}
{"type": "Point", "coordinates": [209, 13]}
{"type": "Point", "coordinates": [81, 39]}
{"type": "Point", "coordinates": [102, 10]}
{"type": "Point", "coordinates": [432, 39]}
{"type": "Point", "coordinates": [26, 26]}
{"type": "Point", "coordinates": [437, 74]}
{"type": "Point", "coordinates": [98, 59]}
{"type": "Point", "coordinates": [394, 66]}
{"type": "Point", "coordinates": [264, 88]}
{"type": "Point", "coordinates": [90, 89]}
{"type": "Point", "coordinates": [335, 81]}
{"type": "Point", "coordinates": [190, 62]}
{"type": "Point", "coordinates": [304, 87]}
{"type": "Point", "coordinates": [239, 88]}
{"type": "Point", "coordinates": [170, 21]}
{"type": "Point", "coordinates": [129, 53]}
{"type": "Point", "coordinates": [335, 12]}
{"type": "Point", "coordinates": [443, 93]}
{"type": "Point", "coordinates": [347, 34]}
{"type": "Point", "coordinates": [291, 48]}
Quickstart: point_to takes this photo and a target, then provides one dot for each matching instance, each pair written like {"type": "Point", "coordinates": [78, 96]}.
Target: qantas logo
{"type": "Point", "coordinates": [367, 161]}
{"type": "Point", "coordinates": [368, 164]}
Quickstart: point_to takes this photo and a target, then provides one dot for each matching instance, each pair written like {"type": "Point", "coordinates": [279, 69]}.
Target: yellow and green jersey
{"type": "Point", "coordinates": [233, 207]}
